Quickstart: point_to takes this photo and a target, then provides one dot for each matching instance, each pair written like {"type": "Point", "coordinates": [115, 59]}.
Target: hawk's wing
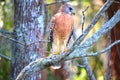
{"type": "Point", "coordinates": [72, 34]}
{"type": "Point", "coordinates": [52, 24]}
{"type": "Point", "coordinates": [69, 37]}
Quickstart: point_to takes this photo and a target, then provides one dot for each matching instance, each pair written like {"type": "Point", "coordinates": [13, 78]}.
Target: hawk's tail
{"type": "Point", "coordinates": [51, 38]}
{"type": "Point", "coordinates": [56, 66]}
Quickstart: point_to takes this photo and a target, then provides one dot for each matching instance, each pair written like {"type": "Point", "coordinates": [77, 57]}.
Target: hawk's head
{"type": "Point", "coordinates": [67, 8]}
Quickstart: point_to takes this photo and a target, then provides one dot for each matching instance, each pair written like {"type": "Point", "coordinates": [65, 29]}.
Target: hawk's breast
{"type": "Point", "coordinates": [63, 25]}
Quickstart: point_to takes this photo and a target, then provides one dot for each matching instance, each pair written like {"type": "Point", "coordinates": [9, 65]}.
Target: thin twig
{"type": "Point", "coordinates": [5, 57]}
{"type": "Point", "coordinates": [11, 39]}
{"type": "Point", "coordinates": [104, 50]}
{"type": "Point", "coordinates": [83, 17]}
{"type": "Point", "coordinates": [5, 32]}
{"type": "Point", "coordinates": [56, 2]}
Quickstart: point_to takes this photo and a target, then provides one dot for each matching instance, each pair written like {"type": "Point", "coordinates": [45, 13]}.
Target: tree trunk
{"type": "Point", "coordinates": [114, 62]}
{"type": "Point", "coordinates": [28, 30]}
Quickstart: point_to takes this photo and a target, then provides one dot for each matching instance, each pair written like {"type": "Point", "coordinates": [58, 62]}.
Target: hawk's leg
{"type": "Point", "coordinates": [56, 48]}
{"type": "Point", "coordinates": [63, 46]}
{"type": "Point", "coordinates": [56, 51]}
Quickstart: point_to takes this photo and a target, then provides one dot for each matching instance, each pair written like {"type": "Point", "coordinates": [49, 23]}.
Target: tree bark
{"type": "Point", "coordinates": [28, 30]}
{"type": "Point", "coordinates": [114, 62]}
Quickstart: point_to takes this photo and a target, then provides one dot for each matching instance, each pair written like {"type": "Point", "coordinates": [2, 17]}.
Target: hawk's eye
{"type": "Point", "coordinates": [70, 8]}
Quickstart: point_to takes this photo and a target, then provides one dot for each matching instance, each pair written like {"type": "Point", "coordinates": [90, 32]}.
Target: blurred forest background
{"type": "Point", "coordinates": [98, 63]}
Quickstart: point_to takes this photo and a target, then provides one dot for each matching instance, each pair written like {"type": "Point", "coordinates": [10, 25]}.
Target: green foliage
{"type": "Point", "coordinates": [6, 17]}
{"type": "Point", "coordinates": [81, 75]}
{"type": "Point", "coordinates": [4, 64]}
{"type": "Point", "coordinates": [4, 69]}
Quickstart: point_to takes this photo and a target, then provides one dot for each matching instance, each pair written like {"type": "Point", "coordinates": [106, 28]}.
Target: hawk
{"type": "Point", "coordinates": [60, 28]}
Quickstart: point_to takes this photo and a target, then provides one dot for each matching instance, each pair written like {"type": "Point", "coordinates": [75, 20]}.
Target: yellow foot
{"type": "Point", "coordinates": [65, 49]}
{"type": "Point", "coordinates": [57, 52]}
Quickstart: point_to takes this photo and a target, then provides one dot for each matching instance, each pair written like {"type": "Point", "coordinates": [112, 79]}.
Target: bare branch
{"type": "Point", "coordinates": [91, 54]}
{"type": "Point", "coordinates": [94, 38]}
{"type": "Point", "coordinates": [42, 63]}
{"type": "Point", "coordinates": [94, 21]}
{"type": "Point", "coordinates": [5, 57]}
{"type": "Point", "coordinates": [87, 68]}
{"type": "Point", "coordinates": [11, 39]}
{"type": "Point", "coordinates": [5, 32]}
{"type": "Point", "coordinates": [104, 50]}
